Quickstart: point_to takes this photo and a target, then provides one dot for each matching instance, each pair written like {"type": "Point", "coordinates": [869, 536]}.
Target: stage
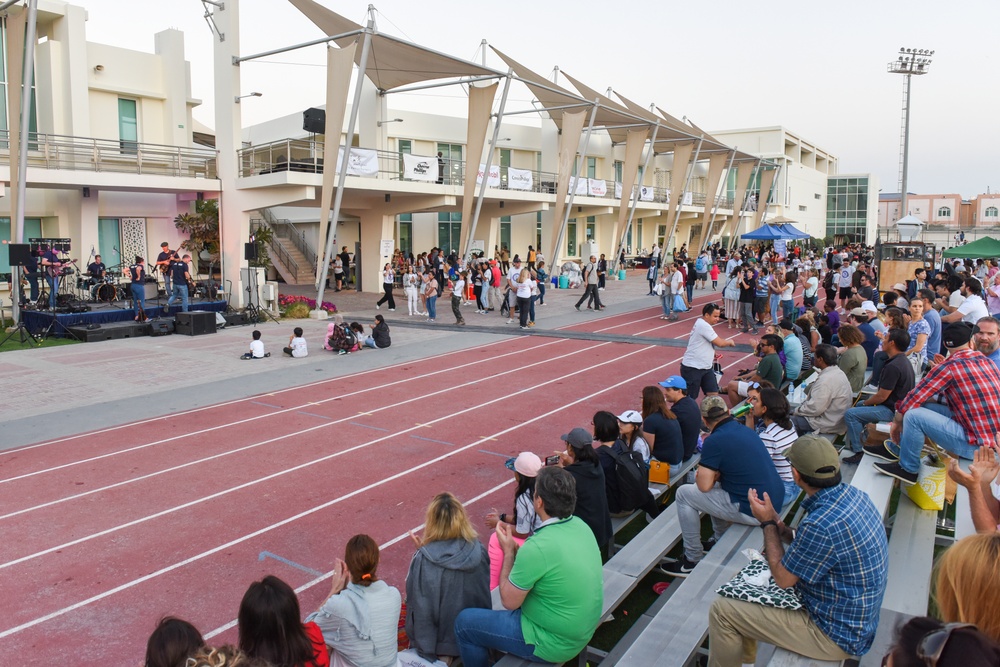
{"type": "Point", "coordinates": [38, 321]}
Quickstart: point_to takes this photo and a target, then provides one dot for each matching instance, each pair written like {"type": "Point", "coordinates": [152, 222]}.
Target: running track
{"type": "Point", "coordinates": [105, 532]}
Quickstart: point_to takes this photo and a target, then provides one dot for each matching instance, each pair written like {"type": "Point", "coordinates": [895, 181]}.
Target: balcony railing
{"type": "Point", "coordinates": [306, 156]}
{"type": "Point", "coordinates": [54, 151]}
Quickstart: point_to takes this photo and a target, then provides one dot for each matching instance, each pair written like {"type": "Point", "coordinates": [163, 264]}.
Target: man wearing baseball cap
{"type": "Point", "coordinates": [687, 411]}
{"type": "Point", "coordinates": [967, 379]}
{"type": "Point", "coordinates": [837, 561]}
{"type": "Point", "coordinates": [734, 461]}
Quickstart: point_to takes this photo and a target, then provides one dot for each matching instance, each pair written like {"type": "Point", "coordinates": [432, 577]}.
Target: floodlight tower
{"type": "Point", "coordinates": [910, 62]}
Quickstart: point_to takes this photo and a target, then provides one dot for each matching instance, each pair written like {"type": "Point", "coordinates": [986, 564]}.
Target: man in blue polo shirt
{"type": "Point", "coordinates": [837, 560]}
{"type": "Point", "coordinates": [734, 461]}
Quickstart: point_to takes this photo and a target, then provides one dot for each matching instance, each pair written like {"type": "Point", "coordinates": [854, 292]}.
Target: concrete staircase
{"type": "Point", "coordinates": [297, 271]}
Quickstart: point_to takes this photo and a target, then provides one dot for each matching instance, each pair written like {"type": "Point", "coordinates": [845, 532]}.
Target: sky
{"type": "Point", "coordinates": [818, 69]}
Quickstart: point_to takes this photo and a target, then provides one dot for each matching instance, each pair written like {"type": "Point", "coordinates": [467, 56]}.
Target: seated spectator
{"type": "Point", "coordinates": [609, 446]}
{"type": "Point", "coordinates": [933, 318]}
{"type": "Point", "coordinates": [686, 410]}
{"type": "Point", "coordinates": [853, 360]}
{"type": "Point", "coordinates": [894, 318]}
{"type": "Point", "coordinates": [380, 334]}
{"type": "Point", "coordinates": [967, 587]}
{"type": "Point", "coordinates": [824, 330]}
{"type": "Point", "coordinates": [733, 461]}
{"type": "Point", "coordinates": [923, 640]}
{"type": "Point", "coordinates": [949, 293]}
{"type": "Point", "coordinates": [630, 427]}
{"type": "Point", "coordinates": [753, 398]}
{"type": "Point", "coordinates": [660, 427]}
{"type": "Point", "coordinates": [768, 368]}
{"type": "Point", "coordinates": [972, 307]}
{"type": "Point", "coordinates": [550, 588]}
{"type": "Point", "coordinates": [524, 522]}
{"type": "Point", "coordinates": [808, 329]}
{"type": "Point", "coordinates": [581, 461]}
{"type": "Point", "coordinates": [772, 408]}
{"type": "Point", "coordinates": [271, 628]}
{"type": "Point", "coordinates": [792, 347]}
{"type": "Point", "coordinates": [830, 310]}
{"type": "Point", "coordinates": [342, 339]}
{"type": "Point", "coordinates": [360, 617]}
{"type": "Point", "coordinates": [172, 643]}
{"type": "Point", "coordinates": [296, 344]}
{"type": "Point", "coordinates": [827, 398]}
{"type": "Point", "coordinates": [837, 561]}
{"type": "Point", "coordinates": [859, 318]}
{"type": "Point", "coordinates": [449, 572]}
{"type": "Point", "coordinates": [967, 379]}
{"type": "Point", "coordinates": [920, 331]}
{"type": "Point", "coordinates": [222, 656]}
{"type": "Point", "coordinates": [896, 381]}
{"type": "Point", "coordinates": [986, 336]}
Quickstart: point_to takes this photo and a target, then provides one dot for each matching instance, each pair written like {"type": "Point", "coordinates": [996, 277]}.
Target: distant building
{"type": "Point", "coordinates": [945, 215]}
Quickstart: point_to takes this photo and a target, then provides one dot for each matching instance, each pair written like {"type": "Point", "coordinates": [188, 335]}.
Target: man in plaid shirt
{"type": "Point", "coordinates": [967, 378]}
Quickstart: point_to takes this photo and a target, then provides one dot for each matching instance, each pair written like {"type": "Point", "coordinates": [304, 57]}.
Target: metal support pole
{"type": "Point", "coordinates": [739, 218]}
{"type": "Point", "coordinates": [28, 73]}
{"type": "Point", "coordinates": [572, 193]}
{"type": "Point", "coordinates": [331, 234]}
{"type": "Point", "coordinates": [763, 217]}
{"type": "Point", "coordinates": [715, 207]}
{"type": "Point", "coordinates": [634, 200]}
{"type": "Point", "coordinates": [486, 174]}
{"type": "Point", "coordinates": [680, 200]}
{"type": "Point", "coordinates": [906, 150]}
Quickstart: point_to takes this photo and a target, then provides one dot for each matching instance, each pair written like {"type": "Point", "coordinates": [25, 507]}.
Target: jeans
{"type": "Point", "coordinates": [478, 630]}
{"type": "Point", "coordinates": [667, 300]}
{"type": "Point", "coordinates": [788, 309]}
{"type": "Point", "coordinates": [370, 342]}
{"type": "Point", "coordinates": [746, 308]}
{"type": "Point", "coordinates": [717, 504]}
{"type": "Point", "coordinates": [792, 492]}
{"type": "Point", "coordinates": [431, 302]}
{"type": "Point", "coordinates": [541, 292]}
{"type": "Point", "coordinates": [139, 296]}
{"type": "Point", "coordinates": [690, 290]}
{"type": "Point", "coordinates": [531, 309]}
{"type": "Point", "coordinates": [856, 418]}
{"type": "Point", "coordinates": [167, 283]}
{"type": "Point", "coordinates": [775, 302]}
{"type": "Point", "coordinates": [935, 422]}
{"type": "Point", "coordinates": [53, 282]}
{"type": "Point", "coordinates": [182, 292]}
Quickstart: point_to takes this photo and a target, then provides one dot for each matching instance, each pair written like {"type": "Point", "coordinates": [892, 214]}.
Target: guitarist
{"type": "Point", "coordinates": [163, 261]}
{"type": "Point", "coordinates": [137, 276]}
{"type": "Point", "coordinates": [52, 266]}
{"type": "Point", "coordinates": [182, 279]}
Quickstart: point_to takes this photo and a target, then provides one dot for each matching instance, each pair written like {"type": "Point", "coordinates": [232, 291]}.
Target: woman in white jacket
{"type": "Point", "coordinates": [411, 284]}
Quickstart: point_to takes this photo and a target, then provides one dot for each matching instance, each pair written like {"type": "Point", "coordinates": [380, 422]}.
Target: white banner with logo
{"type": "Point", "coordinates": [780, 247]}
{"type": "Point", "coordinates": [519, 179]}
{"type": "Point", "coordinates": [419, 168]}
{"type": "Point", "coordinates": [597, 187]}
{"type": "Point", "coordinates": [645, 193]}
{"type": "Point", "coordinates": [578, 186]}
{"type": "Point", "coordinates": [688, 199]}
{"type": "Point", "coordinates": [493, 180]}
{"type": "Point", "coordinates": [360, 161]}
{"type": "Point", "coordinates": [618, 190]}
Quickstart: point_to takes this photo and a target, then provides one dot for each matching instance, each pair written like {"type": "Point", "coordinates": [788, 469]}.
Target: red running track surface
{"type": "Point", "coordinates": [106, 532]}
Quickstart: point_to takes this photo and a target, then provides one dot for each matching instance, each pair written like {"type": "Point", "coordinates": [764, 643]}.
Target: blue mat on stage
{"type": "Point", "coordinates": [38, 321]}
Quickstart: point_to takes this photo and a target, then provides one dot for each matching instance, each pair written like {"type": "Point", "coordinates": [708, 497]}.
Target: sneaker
{"type": "Point", "coordinates": [880, 451]}
{"type": "Point", "coordinates": [510, 321]}
{"type": "Point", "coordinates": [869, 389]}
{"type": "Point", "coordinates": [342, 351]}
{"type": "Point", "coordinates": [392, 310]}
{"type": "Point", "coordinates": [754, 332]}
{"type": "Point", "coordinates": [578, 307]}
{"type": "Point", "coordinates": [267, 354]}
{"type": "Point", "coordinates": [897, 471]}
{"type": "Point", "coordinates": [461, 324]}
{"type": "Point", "coordinates": [708, 544]}
{"type": "Point", "coordinates": [378, 307]}
{"type": "Point", "coordinates": [531, 324]}
{"type": "Point", "coordinates": [853, 459]}
{"type": "Point", "coordinates": [681, 567]}
{"type": "Point", "coordinates": [523, 328]}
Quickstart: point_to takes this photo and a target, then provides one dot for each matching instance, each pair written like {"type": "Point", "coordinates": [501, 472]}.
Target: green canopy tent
{"type": "Point", "coordinates": [984, 248]}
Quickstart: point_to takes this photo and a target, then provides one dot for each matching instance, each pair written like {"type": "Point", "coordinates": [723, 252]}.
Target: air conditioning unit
{"type": "Point", "coordinates": [269, 296]}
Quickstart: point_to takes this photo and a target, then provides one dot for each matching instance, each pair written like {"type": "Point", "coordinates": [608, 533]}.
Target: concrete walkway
{"type": "Point", "coordinates": [55, 392]}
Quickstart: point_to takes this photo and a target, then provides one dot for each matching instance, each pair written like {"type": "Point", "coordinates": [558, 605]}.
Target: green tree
{"type": "Point", "coordinates": [202, 230]}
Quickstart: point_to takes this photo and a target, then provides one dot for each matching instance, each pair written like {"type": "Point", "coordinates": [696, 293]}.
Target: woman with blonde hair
{"type": "Point", "coordinates": [967, 589]}
{"type": "Point", "coordinates": [449, 572]}
{"type": "Point", "coordinates": [525, 286]}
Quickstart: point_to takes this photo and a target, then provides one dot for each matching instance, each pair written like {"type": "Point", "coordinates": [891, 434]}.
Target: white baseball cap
{"type": "Point", "coordinates": [630, 417]}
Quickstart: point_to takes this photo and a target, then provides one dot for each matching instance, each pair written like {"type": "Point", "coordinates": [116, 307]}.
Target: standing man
{"type": "Point", "coordinates": [494, 291]}
{"type": "Point", "coordinates": [345, 260]}
{"type": "Point", "coordinates": [590, 280]}
{"type": "Point", "coordinates": [701, 267]}
{"type": "Point", "coordinates": [602, 272]}
{"type": "Point", "coordinates": [440, 178]}
{"type": "Point", "coordinates": [696, 364]}
{"type": "Point", "coordinates": [163, 261]}
{"type": "Point", "coordinates": [918, 283]}
{"type": "Point", "coordinates": [52, 267]}
{"type": "Point", "coordinates": [550, 586]}
{"type": "Point", "coordinates": [181, 277]}
{"type": "Point", "coordinates": [748, 289]}
{"type": "Point", "coordinates": [837, 560]}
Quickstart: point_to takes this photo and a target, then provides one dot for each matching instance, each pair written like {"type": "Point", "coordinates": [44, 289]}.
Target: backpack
{"type": "Point", "coordinates": [632, 476]}
{"type": "Point", "coordinates": [351, 338]}
{"type": "Point", "coordinates": [828, 280]}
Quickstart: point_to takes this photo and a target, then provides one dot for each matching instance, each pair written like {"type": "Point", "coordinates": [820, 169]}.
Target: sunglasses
{"type": "Point", "coordinates": [753, 385]}
{"type": "Point", "coordinates": [933, 643]}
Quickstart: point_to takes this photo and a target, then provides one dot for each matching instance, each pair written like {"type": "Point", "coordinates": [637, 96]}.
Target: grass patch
{"type": "Point", "coordinates": [15, 343]}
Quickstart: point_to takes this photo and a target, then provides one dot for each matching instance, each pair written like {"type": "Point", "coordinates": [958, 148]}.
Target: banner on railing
{"type": "Point", "coordinates": [688, 199]}
{"type": "Point", "coordinates": [597, 187]}
{"type": "Point", "coordinates": [520, 179]}
{"type": "Point", "coordinates": [578, 185]}
{"type": "Point", "coordinates": [360, 161]}
{"type": "Point", "coordinates": [419, 168]}
{"type": "Point", "coordinates": [618, 190]}
{"type": "Point", "coordinates": [493, 180]}
{"type": "Point", "coordinates": [646, 193]}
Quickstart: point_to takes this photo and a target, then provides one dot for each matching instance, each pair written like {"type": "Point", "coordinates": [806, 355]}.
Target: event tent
{"type": "Point", "coordinates": [984, 248]}
{"type": "Point", "coordinates": [771, 232]}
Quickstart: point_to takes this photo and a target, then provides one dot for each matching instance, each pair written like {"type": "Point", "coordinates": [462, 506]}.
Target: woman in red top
{"type": "Point", "coordinates": [271, 627]}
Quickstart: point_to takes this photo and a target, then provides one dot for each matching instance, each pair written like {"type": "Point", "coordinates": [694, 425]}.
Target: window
{"type": "Point", "coordinates": [802, 208]}
{"type": "Point", "coordinates": [449, 232]}
{"type": "Point", "coordinates": [571, 239]}
{"type": "Point", "coordinates": [991, 212]}
{"type": "Point", "coordinates": [32, 229]}
{"type": "Point", "coordinates": [591, 228]}
{"type": "Point", "coordinates": [405, 146]}
{"type": "Point", "coordinates": [452, 155]}
{"type": "Point", "coordinates": [591, 167]}
{"type": "Point", "coordinates": [505, 233]}
{"type": "Point", "coordinates": [33, 114]}
{"type": "Point", "coordinates": [619, 167]}
{"type": "Point", "coordinates": [406, 234]}
{"type": "Point", "coordinates": [128, 126]}
{"type": "Point", "coordinates": [108, 238]}
{"type": "Point", "coordinates": [817, 196]}
{"type": "Point", "coordinates": [944, 212]}
{"type": "Point", "coordinates": [504, 165]}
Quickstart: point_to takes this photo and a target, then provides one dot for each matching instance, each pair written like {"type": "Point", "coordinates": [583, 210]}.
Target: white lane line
{"type": "Point", "coordinates": [237, 401]}
{"type": "Point", "coordinates": [450, 388]}
{"type": "Point", "coordinates": [222, 547]}
{"type": "Point", "coordinates": [268, 415]}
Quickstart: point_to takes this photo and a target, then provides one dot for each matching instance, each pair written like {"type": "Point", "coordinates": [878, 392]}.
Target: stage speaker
{"type": "Point", "coordinates": [314, 120]}
{"type": "Point", "coordinates": [195, 323]}
{"type": "Point", "coordinates": [20, 253]}
{"type": "Point", "coordinates": [250, 252]}
{"type": "Point", "coordinates": [160, 327]}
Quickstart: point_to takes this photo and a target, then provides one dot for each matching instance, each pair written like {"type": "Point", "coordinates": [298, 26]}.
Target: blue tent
{"type": "Point", "coordinates": [771, 232]}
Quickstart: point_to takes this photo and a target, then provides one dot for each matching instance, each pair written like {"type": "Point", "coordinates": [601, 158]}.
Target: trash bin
{"type": "Point", "coordinates": [555, 281]}
{"type": "Point", "coordinates": [621, 274]}
{"type": "Point", "coordinates": [563, 282]}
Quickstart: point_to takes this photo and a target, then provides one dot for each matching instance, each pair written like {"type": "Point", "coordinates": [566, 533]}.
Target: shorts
{"type": "Point", "coordinates": [845, 293]}
{"type": "Point", "coordinates": [760, 304]}
{"type": "Point", "coordinates": [703, 276]}
{"type": "Point", "coordinates": [702, 379]}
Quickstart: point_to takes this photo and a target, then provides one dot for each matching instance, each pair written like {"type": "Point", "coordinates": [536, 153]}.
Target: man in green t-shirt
{"type": "Point", "coordinates": [768, 369]}
{"type": "Point", "coordinates": [551, 587]}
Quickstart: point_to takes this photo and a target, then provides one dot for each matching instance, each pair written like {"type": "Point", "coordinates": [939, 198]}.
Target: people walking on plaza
{"type": "Point", "coordinates": [525, 286]}
{"type": "Point", "coordinates": [651, 274]}
{"type": "Point", "coordinates": [411, 283]}
{"type": "Point", "coordinates": [543, 277]}
{"type": "Point", "coordinates": [457, 288]}
{"type": "Point", "coordinates": [590, 280]}
{"type": "Point", "coordinates": [602, 272]}
{"type": "Point", "coordinates": [388, 280]}
{"type": "Point", "coordinates": [430, 295]}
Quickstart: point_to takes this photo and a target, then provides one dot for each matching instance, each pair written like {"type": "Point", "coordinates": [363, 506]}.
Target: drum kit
{"type": "Point", "coordinates": [102, 290]}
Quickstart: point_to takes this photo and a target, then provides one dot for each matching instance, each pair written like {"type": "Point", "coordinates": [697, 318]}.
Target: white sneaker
{"type": "Point", "coordinates": [392, 310]}
{"type": "Point", "coordinates": [869, 389]}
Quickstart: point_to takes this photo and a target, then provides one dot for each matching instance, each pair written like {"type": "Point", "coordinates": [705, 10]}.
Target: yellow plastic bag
{"type": "Point", "coordinates": [928, 492]}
